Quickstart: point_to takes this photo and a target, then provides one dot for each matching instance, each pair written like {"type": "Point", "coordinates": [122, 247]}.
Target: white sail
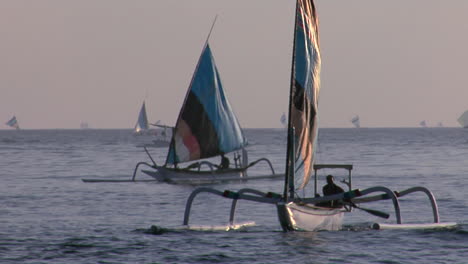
{"type": "Point", "coordinates": [142, 122]}
{"type": "Point", "coordinates": [463, 119]}
{"type": "Point", "coordinates": [356, 122]}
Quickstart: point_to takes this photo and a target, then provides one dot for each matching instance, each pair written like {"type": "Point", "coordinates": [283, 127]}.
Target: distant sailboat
{"type": "Point", "coordinates": [142, 128]}
{"type": "Point", "coordinates": [463, 119]}
{"type": "Point", "coordinates": [356, 122]}
{"type": "Point", "coordinates": [84, 125]}
{"type": "Point", "coordinates": [142, 124]}
{"type": "Point", "coordinates": [423, 123]}
{"type": "Point", "coordinates": [284, 120]}
{"type": "Point", "coordinates": [13, 122]}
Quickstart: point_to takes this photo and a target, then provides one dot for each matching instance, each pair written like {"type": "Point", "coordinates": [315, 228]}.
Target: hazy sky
{"type": "Point", "coordinates": [394, 63]}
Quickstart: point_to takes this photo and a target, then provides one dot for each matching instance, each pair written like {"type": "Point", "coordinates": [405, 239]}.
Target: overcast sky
{"type": "Point", "coordinates": [394, 63]}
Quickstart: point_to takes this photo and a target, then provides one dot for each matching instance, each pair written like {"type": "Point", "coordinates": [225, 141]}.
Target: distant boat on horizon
{"type": "Point", "coordinates": [463, 119]}
{"type": "Point", "coordinates": [283, 120]}
{"type": "Point", "coordinates": [142, 128]}
{"type": "Point", "coordinates": [142, 124]}
{"type": "Point", "coordinates": [423, 123]}
{"type": "Point", "coordinates": [13, 122]}
{"type": "Point", "coordinates": [84, 125]}
{"type": "Point", "coordinates": [356, 122]}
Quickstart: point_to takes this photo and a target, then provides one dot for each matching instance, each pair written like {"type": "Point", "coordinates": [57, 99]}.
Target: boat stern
{"type": "Point", "coordinates": [293, 216]}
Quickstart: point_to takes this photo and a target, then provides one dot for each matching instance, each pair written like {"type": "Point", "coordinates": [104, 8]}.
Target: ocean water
{"type": "Point", "coordinates": [48, 215]}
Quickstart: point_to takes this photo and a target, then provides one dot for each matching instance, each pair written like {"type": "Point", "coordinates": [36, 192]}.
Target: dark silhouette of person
{"type": "Point", "coordinates": [331, 188]}
{"type": "Point", "coordinates": [224, 162]}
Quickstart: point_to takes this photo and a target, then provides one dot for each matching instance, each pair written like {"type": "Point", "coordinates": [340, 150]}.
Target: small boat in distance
{"type": "Point", "coordinates": [283, 120]}
{"type": "Point", "coordinates": [142, 125]}
{"type": "Point", "coordinates": [463, 119]}
{"type": "Point", "coordinates": [13, 122]}
{"type": "Point", "coordinates": [355, 121]}
{"type": "Point", "coordinates": [423, 123]}
{"type": "Point", "coordinates": [142, 128]}
{"type": "Point", "coordinates": [84, 125]}
{"type": "Point", "coordinates": [162, 135]}
{"type": "Point", "coordinates": [297, 211]}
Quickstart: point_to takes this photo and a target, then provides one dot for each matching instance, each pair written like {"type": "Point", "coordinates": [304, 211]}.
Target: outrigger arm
{"type": "Point", "coordinates": [355, 196]}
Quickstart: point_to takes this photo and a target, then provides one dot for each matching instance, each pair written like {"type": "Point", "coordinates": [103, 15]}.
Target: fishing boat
{"type": "Point", "coordinates": [162, 135]}
{"type": "Point", "coordinates": [355, 121]}
{"type": "Point", "coordinates": [13, 122]}
{"type": "Point", "coordinates": [206, 127]}
{"type": "Point", "coordinates": [159, 137]}
{"type": "Point", "coordinates": [463, 119]}
{"type": "Point", "coordinates": [296, 208]}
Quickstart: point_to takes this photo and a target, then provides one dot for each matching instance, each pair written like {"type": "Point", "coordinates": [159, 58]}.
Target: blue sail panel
{"type": "Point", "coordinates": [206, 126]}
{"type": "Point", "coordinates": [305, 89]}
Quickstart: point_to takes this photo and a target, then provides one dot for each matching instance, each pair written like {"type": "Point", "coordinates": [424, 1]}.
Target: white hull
{"type": "Point", "coordinates": [183, 176]}
{"type": "Point", "coordinates": [313, 218]}
{"type": "Point", "coordinates": [145, 132]}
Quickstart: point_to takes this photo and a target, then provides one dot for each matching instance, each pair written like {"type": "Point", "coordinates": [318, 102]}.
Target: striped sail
{"type": "Point", "coordinates": [305, 85]}
{"type": "Point", "coordinates": [206, 126]}
{"type": "Point", "coordinates": [142, 122]}
{"type": "Point", "coordinates": [13, 123]}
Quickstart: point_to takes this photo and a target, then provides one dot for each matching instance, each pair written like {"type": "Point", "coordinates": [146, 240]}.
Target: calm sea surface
{"type": "Point", "coordinates": [48, 215]}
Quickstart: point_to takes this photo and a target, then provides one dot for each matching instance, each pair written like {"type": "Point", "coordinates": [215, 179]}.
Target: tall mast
{"type": "Point", "coordinates": [288, 179]}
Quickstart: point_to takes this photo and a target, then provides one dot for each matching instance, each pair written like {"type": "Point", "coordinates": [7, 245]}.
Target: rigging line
{"type": "Point", "coordinates": [211, 29]}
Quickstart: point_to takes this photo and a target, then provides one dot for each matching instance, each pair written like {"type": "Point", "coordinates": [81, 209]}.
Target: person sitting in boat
{"type": "Point", "coordinates": [224, 163]}
{"type": "Point", "coordinates": [331, 188]}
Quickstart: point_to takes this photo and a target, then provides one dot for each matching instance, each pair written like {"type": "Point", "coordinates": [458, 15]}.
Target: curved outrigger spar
{"type": "Point", "coordinates": [203, 172]}
{"type": "Point", "coordinates": [325, 218]}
